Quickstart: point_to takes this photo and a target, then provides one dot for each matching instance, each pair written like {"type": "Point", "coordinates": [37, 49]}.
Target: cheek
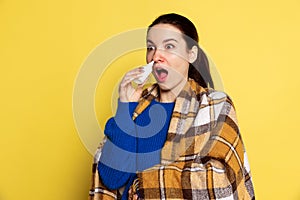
{"type": "Point", "coordinates": [178, 56]}
{"type": "Point", "coordinates": [149, 56]}
{"type": "Point", "coordinates": [178, 72]}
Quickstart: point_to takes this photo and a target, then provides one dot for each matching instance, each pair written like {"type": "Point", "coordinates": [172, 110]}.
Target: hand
{"type": "Point", "coordinates": [127, 92]}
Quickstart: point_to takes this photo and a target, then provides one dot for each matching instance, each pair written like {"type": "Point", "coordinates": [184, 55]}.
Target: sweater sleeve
{"type": "Point", "coordinates": [121, 128]}
{"type": "Point", "coordinates": [117, 161]}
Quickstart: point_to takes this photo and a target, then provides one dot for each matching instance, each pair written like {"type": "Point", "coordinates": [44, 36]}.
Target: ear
{"type": "Point", "coordinates": [193, 53]}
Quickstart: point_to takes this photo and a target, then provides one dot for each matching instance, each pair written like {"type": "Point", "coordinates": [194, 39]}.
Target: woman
{"type": "Point", "coordinates": [177, 139]}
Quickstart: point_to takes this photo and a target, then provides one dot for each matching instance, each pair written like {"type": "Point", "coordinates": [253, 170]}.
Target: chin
{"type": "Point", "coordinates": [164, 87]}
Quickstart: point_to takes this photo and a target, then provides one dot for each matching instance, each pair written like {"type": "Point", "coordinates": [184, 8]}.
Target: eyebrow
{"type": "Point", "coordinates": [164, 41]}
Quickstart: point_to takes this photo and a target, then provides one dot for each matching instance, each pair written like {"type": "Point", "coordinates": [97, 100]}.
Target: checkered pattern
{"type": "Point", "coordinates": [203, 157]}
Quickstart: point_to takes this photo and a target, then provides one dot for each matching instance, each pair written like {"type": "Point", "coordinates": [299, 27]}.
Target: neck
{"type": "Point", "coordinates": [167, 96]}
{"type": "Point", "coordinates": [171, 95]}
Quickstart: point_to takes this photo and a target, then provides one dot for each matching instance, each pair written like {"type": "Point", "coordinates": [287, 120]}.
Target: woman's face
{"type": "Point", "coordinates": [167, 48]}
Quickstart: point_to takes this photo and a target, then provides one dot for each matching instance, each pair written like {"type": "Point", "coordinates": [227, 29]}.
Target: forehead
{"type": "Point", "coordinates": [162, 32]}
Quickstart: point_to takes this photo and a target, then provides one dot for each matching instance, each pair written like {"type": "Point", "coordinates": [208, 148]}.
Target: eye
{"type": "Point", "coordinates": [150, 48]}
{"type": "Point", "coordinates": [170, 46]}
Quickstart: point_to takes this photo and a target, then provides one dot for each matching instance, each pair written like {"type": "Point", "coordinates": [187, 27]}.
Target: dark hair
{"type": "Point", "coordinates": [198, 70]}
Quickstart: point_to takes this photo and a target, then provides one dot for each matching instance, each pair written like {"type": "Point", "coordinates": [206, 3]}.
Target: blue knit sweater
{"type": "Point", "coordinates": [133, 146]}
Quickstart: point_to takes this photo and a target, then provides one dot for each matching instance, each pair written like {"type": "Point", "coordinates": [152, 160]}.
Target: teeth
{"type": "Point", "coordinates": [160, 70]}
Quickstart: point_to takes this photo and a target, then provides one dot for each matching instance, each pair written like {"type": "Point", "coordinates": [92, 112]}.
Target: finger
{"type": "Point", "coordinates": [144, 82]}
{"type": "Point", "coordinates": [138, 69]}
{"type": "Point", "coordinates": [127, 81]}
{"type": "Point", "coordinates": [133, 74]}
{"type": "Point", "coordinates": [135, 71]}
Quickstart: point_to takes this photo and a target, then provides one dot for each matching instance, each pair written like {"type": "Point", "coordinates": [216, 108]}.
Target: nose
{"type": "Point", "coordinates": [158, 55]}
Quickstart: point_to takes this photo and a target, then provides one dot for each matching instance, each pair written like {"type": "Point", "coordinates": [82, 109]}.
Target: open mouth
{"type": "Point", "coordinates": [161, 74]}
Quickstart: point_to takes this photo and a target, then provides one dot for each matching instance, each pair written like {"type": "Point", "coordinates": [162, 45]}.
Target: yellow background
{"type": "Point", "coordinates": [254, 44]}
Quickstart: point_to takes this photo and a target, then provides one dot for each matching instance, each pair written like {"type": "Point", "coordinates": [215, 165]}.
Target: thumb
{"type": "Point", "coordinates": [139, 89]}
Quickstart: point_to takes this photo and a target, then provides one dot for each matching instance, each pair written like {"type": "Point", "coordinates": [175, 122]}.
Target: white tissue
{"type": "Point", "coordinates": [146, 73]}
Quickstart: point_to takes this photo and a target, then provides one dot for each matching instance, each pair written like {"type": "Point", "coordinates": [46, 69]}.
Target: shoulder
{"type": "Point", "coordinates": [209, 96]}
{"type": "Point", "coordinates": [219, 96]}
{"type": "Point", "coordinates": [212, 97]}
{"type": "Point", "coordinates": [218, 103]}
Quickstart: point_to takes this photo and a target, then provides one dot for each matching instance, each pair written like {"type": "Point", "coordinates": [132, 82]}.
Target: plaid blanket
{"type": "Point", "coordinates": [203, 156]}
